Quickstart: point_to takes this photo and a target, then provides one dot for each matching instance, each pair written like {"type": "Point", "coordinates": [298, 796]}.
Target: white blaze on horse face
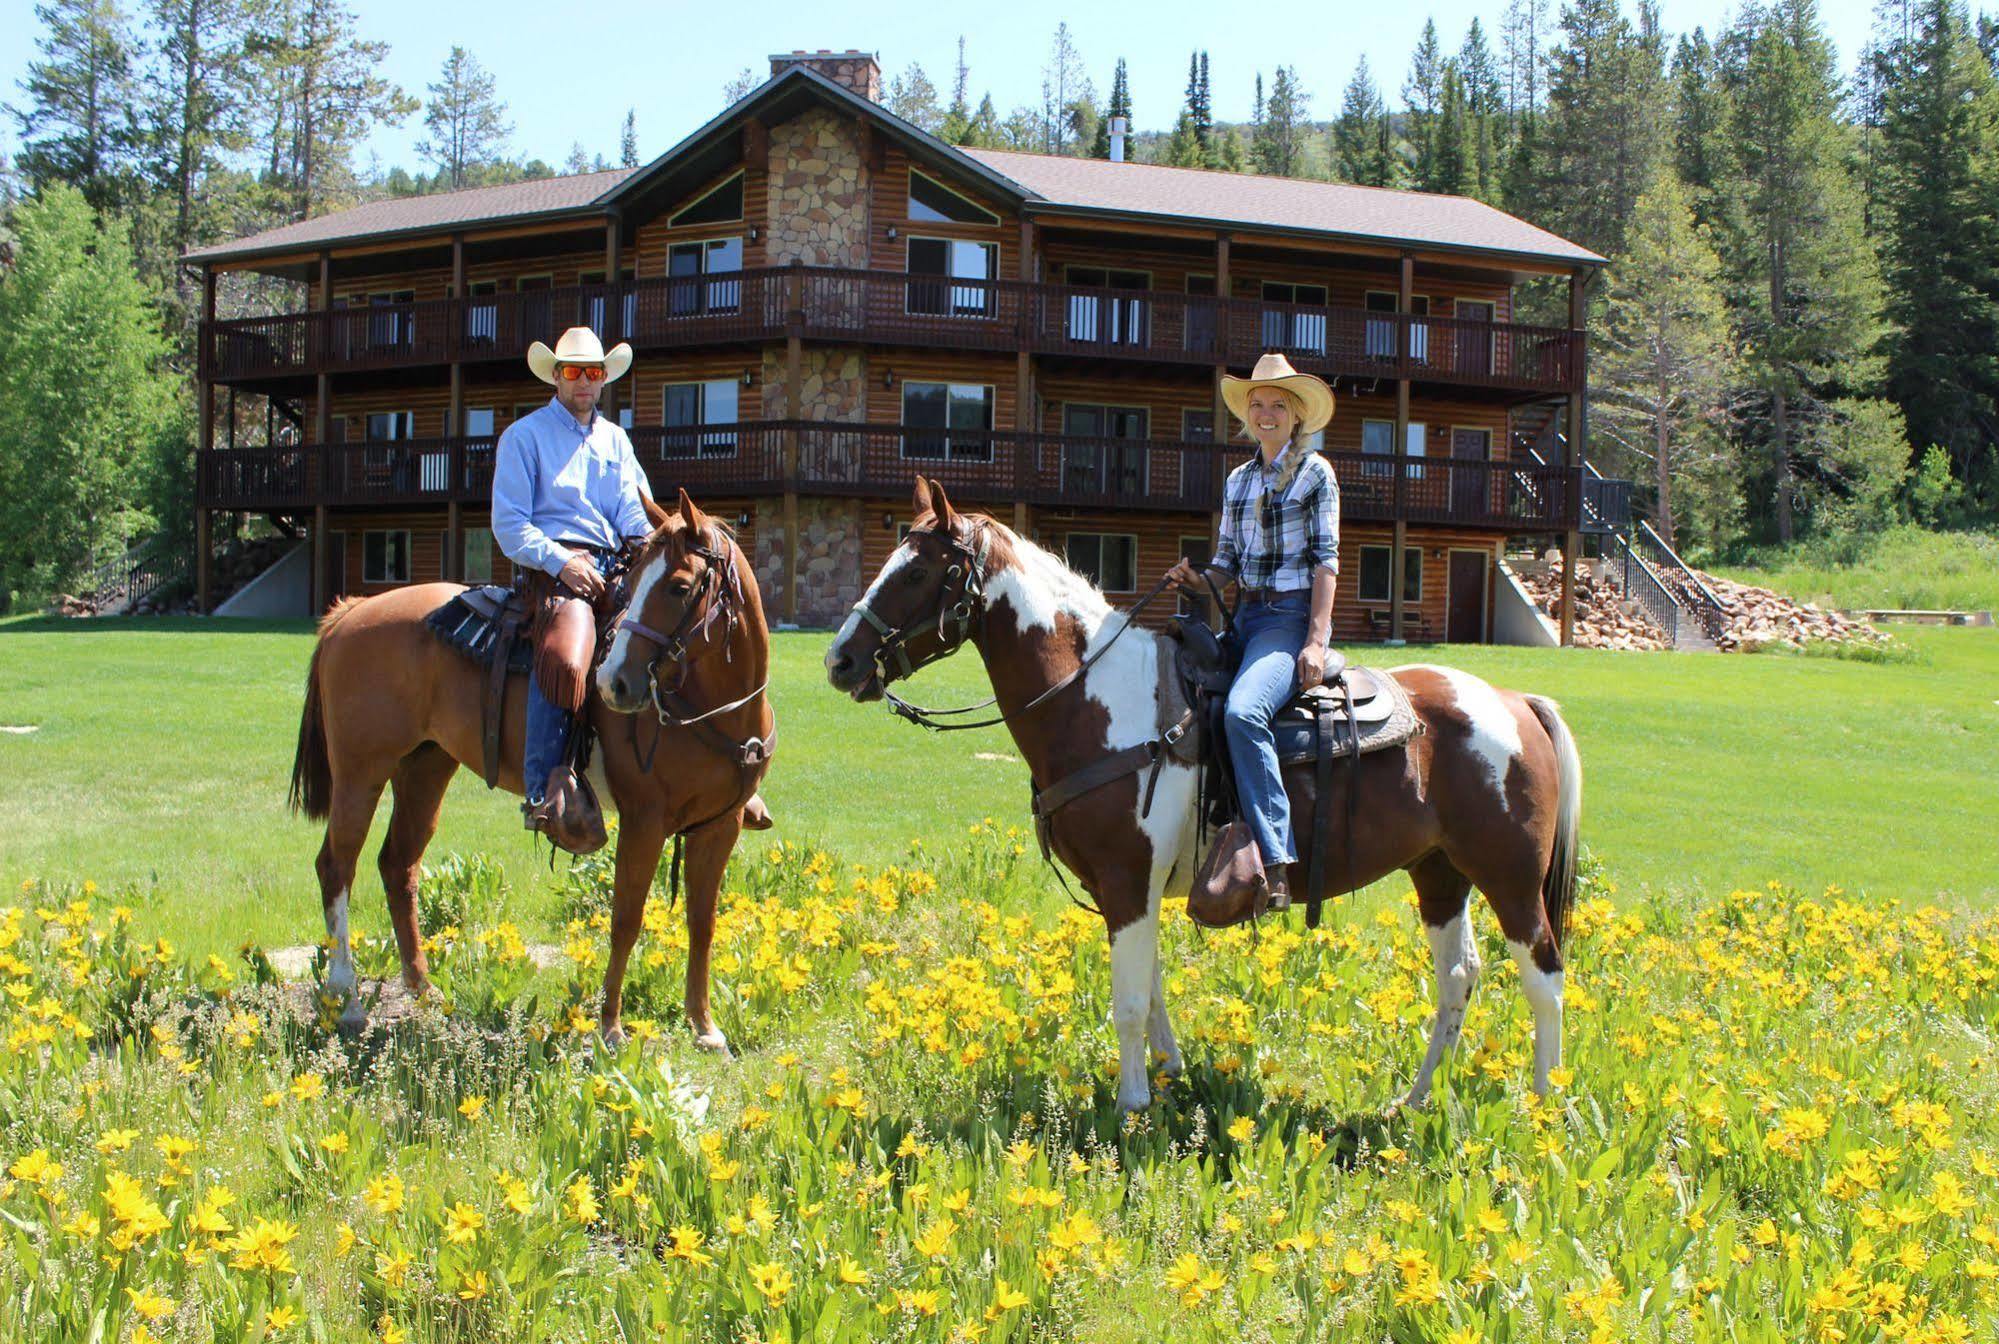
{"type": "Point", "coordinates": [852, 625]}
{"type": "Point", "coordinates": [1495, 733]}
{"type": "Point", "coordinates": [1454, 953]}
{"type": "Point", "coordinates": [621, 643]}
{"type": "Point", "coordinates": [1544, 997]}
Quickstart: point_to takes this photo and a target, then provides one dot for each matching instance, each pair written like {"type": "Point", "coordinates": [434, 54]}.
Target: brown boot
{"type": "Point", "coordinates": [756, 817]}
{"type": "Point", "coordinates": [568, 813]}
{"type": "Point", "coordinates": [1231, 886]}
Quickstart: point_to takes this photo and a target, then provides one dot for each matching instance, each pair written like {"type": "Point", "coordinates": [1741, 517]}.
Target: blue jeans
{"type": "Point", "coordinates": [547, 729]}
{"type": "Point", "coordinates": [1272, 636]}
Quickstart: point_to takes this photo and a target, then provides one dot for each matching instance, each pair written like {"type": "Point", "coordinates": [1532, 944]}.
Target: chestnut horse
{"type": "Point", "coordinates": [1487, 794]}
{"type": "Point", "coordinates": [683, 736]}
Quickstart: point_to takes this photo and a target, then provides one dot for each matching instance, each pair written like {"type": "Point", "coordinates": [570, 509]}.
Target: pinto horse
{"type": "Point", "coordinates": [387, 703]}
{"type": "Point", "coordinates": [1487, 794]}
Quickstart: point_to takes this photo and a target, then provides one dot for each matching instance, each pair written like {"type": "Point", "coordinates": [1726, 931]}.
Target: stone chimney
{"type": "Point", "coordinates": [856, 71]}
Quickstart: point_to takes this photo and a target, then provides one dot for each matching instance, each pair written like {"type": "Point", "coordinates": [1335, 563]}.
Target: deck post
{"type": "Point", "coordinates": [794, 411]}
{"type": "Point", "coordinates": [322, 430]}
{"type": "Point", "coordinates": [1400, 451]}
{"type": "Point", "coordinates": [1572, 538]}
{"type": "Point", "coordinates": [614, 307]}
{"type": "Point", "coordinates": [205, 439]}
{"type": "Point", "coordinates": [1220, 434]}
{"type": "Point", "coordinates": [452, 568]}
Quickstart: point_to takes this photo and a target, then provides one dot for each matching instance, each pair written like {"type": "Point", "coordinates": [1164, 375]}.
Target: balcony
{"type": "Point", "coordinates": [894, 308]}
{"type": "Point", "coordinates": [990, 467]}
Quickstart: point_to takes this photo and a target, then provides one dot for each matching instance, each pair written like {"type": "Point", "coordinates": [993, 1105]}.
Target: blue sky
{"type": "Point", "coordinates": [572, 78]}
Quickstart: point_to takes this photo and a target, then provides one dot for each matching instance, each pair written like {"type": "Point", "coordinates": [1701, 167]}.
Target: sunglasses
{"type": "Point", "coordinates": [592, 372]}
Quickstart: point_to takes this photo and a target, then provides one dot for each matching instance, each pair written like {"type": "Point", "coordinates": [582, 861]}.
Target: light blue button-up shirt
{"type": "Point", "coordinates": [555, 481]}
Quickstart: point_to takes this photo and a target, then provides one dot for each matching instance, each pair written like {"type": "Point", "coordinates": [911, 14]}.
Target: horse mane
{"type": "Point", "coordinates": [1050, 571]}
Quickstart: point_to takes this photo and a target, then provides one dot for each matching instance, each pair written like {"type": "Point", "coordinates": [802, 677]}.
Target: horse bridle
{"type": "Point", "coordinates": [968, 571]}
{"type": "Point", "coordinates": [706, 602]}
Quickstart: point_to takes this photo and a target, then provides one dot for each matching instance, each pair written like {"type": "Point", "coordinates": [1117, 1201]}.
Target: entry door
{"type": "Point", "coordinates": [1470, 486]}
{"type": "Point", "coordinates": [1465, 617]}
{"type": "Point", "coordinates": [1474, 345]}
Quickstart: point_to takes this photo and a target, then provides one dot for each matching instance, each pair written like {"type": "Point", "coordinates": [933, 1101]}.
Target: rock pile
{"type": "Point", "coordinates": [1757, 617]}
{"type": "Point", "coordinates": [1604, 620]}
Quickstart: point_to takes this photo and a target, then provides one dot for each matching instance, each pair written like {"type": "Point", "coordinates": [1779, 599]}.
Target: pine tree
{"type": "Point", "coordinates": [913, 97]}
{"type": "Point", "coordinates": [1485, 103]}
{"type": "Point", "coordinates": [628, 140]}
{"type": "Point", "coordinates": [81, 123]}
{"type": "Point", "coordinates": [1279, 146]}
{"type": "Point", "coordinates": [1452, 165]}
{"type": "Point", "coordinates": [984, 130]}
{"type": "Point", "coordinates": [320, 82]}
{"type": "Point", "coordinates": [1065, 93]}
{"type": "Point", "coordinates": [1940, 218]}
{"type": "Point", "coordinates": [1703, 147]}
{"type": "Point", "coordinates": [958, 117]}
{"type": "Point", "coordinates": [467, 121]}
{"type": "Point", "coordinates": [1663, 377]}
{"type": "Point", "coordinates": [1522, 38]}
{"type": "Point", "coordinates": [196, 101]}
{"type": "Point", "coordinates": [74, 452]}
{"type": "Point", "coordinates": [1120, 106]}
{"type": "Point", "coordinates": [1423, 93]}
{"type": "Point", "coordinates": [1204, 112]}
{"type": "Point", "coordinates": [1808, 290]}
{"type": "Point", "coordinates": [1605, 125]}
{"type": "Point", "coordinates": [1232, 158]}
{"type": "Point", "coordinates": [1357, 132]}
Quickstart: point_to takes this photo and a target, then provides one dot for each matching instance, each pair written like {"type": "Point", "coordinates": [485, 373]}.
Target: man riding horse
{"type": "Point", "coordinates": [1280, 543]}
{"type": "Point", "coordinates": [569, 496]}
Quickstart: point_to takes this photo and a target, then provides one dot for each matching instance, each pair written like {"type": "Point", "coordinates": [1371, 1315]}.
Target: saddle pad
{"type": "Point", "coordinates": [1386, 718]}
{"type": "Point", "coordinates": [470, 623]}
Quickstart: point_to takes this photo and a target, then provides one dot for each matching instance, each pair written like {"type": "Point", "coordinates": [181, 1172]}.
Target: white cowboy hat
{"type": "Point", "coordinates": [579, 345]}
{"type": "Point", "coordinates": [1274, 370]}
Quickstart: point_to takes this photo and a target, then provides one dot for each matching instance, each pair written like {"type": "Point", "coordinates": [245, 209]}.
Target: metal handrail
{"type": "Point", "coordinates": [1647, 590]}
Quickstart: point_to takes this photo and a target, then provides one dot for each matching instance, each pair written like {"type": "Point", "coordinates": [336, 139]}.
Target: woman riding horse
{"type": "Point", "coordinates": [1280, 543]}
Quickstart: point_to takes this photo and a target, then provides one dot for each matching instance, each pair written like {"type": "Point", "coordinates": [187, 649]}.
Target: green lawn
{"type": "Point", "coordinates": [162, 750]}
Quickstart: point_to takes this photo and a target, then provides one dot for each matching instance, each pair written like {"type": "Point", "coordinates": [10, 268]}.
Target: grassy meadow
{"type": "Point", "coordinates": [1903, 568]}
{"type": "Point", "coordinates": [162, 750]}
{"type": "Point", "coordinates": [1777, 1120]}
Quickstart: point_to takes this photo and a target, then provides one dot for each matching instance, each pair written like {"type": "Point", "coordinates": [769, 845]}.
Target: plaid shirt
{"type": "Point", "coordinates": [1276, 543]}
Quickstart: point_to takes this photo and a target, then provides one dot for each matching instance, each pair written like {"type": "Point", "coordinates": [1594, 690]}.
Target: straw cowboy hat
{"type": "Point", "coordinates": [579, 345]}
{"type": "Point", "coordinates": [1274, 370]}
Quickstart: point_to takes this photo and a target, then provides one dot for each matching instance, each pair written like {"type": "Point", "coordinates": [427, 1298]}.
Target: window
{"type": "Point", "coordinates": [385, 556]}
{"type": "Point", "coordinates": [1114, 320]}
{"type": "Point", "coordinates": [688, 293]}
{"type": "Point", "coordinates": [1375, 563]}
{"type": "Point", "coordinates": [592, 310]}
{"type": "Point", "coordinates": [694, 405]}
{"type": "Point", "coordinates": [478, 565]}
{"type": "Point", "coordinates": [1107, 559]}
{"type": "Point", "coordinates": [390, 426]}
{"type": "Point", "coordinates": [1198, 550]}
{"type": "Point", "coordinates": [935, 204]}
{"type": "Point", "coordinates": [1293, 329]}
{"type": "Point", "coordinates": [1101, 464]}
{"type": "Point", "coordinates": [482, 320]}
{"type": "Point", "coordinates": [947, 421]}
{"type": "Point", "coordinates": [717, 206]}
{"type": "Point", "coordinates": [478, 422]}
{"type": "Point", "coordinates": [1197, 426]}
{"type": "Point", "coordinates": [956, 277]}
{"type": "Point", "coordinates": [1419, 333]}
{"type": "Point", "coordinates": [1378, 437]}
{"type": "Point", "coordinates": [1381, 334]}
{"type": "Point", "coordinates": [389, 325]}
{"type": "Point", "coordinates": [1203, 314]}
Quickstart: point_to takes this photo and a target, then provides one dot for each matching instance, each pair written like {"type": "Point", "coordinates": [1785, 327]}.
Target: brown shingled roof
{"type": "Point", "coordinates": [1278, 203]}
{"type": "Point", "coordinates": [417, 214]}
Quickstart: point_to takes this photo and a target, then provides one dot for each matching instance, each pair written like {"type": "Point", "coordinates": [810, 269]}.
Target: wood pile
{"type": "Point", "coordinates": [1756, 618]}
{"type": "Point", "coordinates": [1604, 620]}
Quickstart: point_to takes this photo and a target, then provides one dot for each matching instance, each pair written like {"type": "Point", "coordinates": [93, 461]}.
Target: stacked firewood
{"type": "Point", "coordinates": [1604, 620]}
{"type": "Point", "coordinates": [1756, 618]}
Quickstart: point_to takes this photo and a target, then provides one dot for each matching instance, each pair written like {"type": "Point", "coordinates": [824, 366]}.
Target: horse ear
{"type": "Point", "coordinates": [655, 515]}
{"type": "Point", "coordinates": [920, 499]}
{"type": "Point", "coordinates": [942, 503]}
{"type": "Point", "coordinates": [689, 513]}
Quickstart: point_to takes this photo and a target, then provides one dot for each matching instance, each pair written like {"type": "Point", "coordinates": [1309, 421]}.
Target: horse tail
{"type": "Point", "coordinates": [1558, 888]}
{"type": "Point", "coordinates": [312, 769]}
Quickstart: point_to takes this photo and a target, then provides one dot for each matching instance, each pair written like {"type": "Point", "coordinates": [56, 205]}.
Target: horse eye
{"type": "Point", "coordinates": [914, 575]}
{"type": "Point", "coordinates": [679, 587]}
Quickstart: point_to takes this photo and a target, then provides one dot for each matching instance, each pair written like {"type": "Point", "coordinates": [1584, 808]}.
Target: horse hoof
{"type": "Point", "coordinates": [613, 1035]}
{"type": "Point", "coordinates": [353, 1021]}
{"type": "Point", "coordinates": [715, 1042]}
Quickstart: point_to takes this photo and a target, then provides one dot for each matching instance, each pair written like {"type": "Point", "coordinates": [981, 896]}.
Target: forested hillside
{"type": "Point", "coordinates": [1796, 337]}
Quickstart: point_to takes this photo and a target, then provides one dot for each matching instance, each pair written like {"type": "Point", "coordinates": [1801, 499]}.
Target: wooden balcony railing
{"type": "Point", "coordinates": [890, 307]}
{"type": "Point", "coordinates": [875, 461]}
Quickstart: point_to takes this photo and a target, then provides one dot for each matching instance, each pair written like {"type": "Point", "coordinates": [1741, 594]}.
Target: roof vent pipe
{"type": "Point", "coordinates": [1119, 126]}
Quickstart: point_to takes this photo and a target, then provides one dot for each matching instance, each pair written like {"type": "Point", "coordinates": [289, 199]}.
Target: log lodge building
{"type": "Point", "coordinates": [825, 301]}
